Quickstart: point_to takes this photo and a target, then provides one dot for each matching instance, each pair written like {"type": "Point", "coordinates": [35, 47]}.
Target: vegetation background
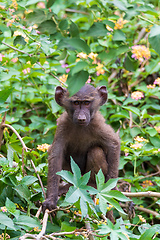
{"type": "Point", "coordinates": [104, 42]}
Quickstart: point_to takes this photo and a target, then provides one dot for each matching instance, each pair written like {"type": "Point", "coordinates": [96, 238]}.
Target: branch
{"type": "Point", "coordinates": [142, 194]}
{"type": "Point", "coordinates": [45, 219]}
{"type": "Point", "coordinates": [155, 214]}
{"type": "Point", "coordinates": [25, 149]}
{"type": "Point", "coordinates": [1, 128]}
{"type": "Point", "coordinates": [30, 55]}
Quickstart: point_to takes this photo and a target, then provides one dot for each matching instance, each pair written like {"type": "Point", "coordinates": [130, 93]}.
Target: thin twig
{"type": "Point", "coordinates": [16, 49]}
{"type": "Point", "coordinates": [88, 227]}
{"type": "Point", "coordinates": [142, 194]}
{"type": "Point", "coordinates": [2, 129]}
{"type": "Point", "coordinates": [45, 219]}
{"type": "Point", "coordinates": [155, 214]}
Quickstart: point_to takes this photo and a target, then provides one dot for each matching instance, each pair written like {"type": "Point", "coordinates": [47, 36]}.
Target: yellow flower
{"type": "Point", "coordinates": [151, 86]}
{"type": "Point", "coordinates": [96, 201]}
{"type": "Point", "coordinates": [63, 78]}
{"type": "Point", "coordinates": [147, 183]}
{"type": "Point", "coordinates": [140, 139]}
{"type": "Point", "coordinates": [82, 55]}
{"type": "Point", "coordinates": [36, 229]}
{"type": "Point", "coordinates": [2, 237]}
{"type": "Point", "coordinates": [93, 57]}
{"type": "Point", "coordinates": [141, 218]}
{"type": "Point", "coordinates": [109, 28]}
{"type": "Point", "coordinates": [157, 128]}
{"type": "Point", "coordinates": [14, 4]}
{"type": "Point", "coordinates": [140, 52]}
{"type": "Point", "coordinates": [20, 33]}
{"type": "Point", "coordinates": [137, 95]}
{"type": "Point", "coordinates": [100, 69]}
{"type": "Point", "coordinates": [157, 81]}
{"type": "Point", "coordinates": [120, 23]}
{"type": "Point", "coordinates": [136, 145]}
{"type": "Point", "coordinates": [43, 147]}
{"type": "Point", "coordinates": [109, 207]}
{"type": "Point", "coordinates": [3, 209]}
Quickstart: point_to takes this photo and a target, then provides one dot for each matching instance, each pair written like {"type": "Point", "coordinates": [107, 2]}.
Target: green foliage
{"type": "Point", "coordinates": [45, 44]}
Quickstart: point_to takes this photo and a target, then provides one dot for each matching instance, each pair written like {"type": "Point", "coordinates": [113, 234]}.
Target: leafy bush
{"type": "Point", "coordinates": [44, 44]}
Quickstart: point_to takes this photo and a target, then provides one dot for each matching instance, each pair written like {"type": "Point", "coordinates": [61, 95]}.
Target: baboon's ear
{"type": "Point", "coordinates": [103, 94]}
{"type": "Point", "coordinates": [59, 94]}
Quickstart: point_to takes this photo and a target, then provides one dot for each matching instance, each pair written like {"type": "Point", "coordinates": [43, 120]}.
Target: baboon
{"type": "Point", "coordinates": [83, 135]}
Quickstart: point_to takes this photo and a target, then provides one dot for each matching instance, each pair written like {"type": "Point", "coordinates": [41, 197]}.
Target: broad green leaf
{"type": "Point", "coordinates": [72, 195]}
{"type": "Point", "coordinates": [81, 65]}
{"type": "Point", "coordinates": [100, 180]}
{"type": "Point", "coordinates": [62, 55]}
{"type": "Point", "coordinates": [50, 3]}
{"type": "Point", "coordinates": [85, 178]}
{"type": "Point", "coordinates": [19, 40]}
{"type": "Point", "coordinates": [154, 38]}
{"type": "Point", "coordinates": [116, 194]}
{"type": "Point", "coordinates": [63, 25]}
{"type": "Point", "coordinates": [148, 234]}
{"type": "Point", "coordinates": [84, 207]}
{"type": "Point", "coordinates": [76, 81]}
{"type": "Point", "coordinates": [74, 44]}
{"type": "Point", "coordinates": [42, 58]}
{"type": "Point", "coordinates": [48, 27]}
{"type": "Point", "coordinates": [74, 31]}
{"type": "Point", "coordinates": [28, 221]}
{"type": "Point", "coordinates": [119, 36]}
{"type": "Point", "coordinates": [5, 220]}
{"type": "Point", "coordinates": [11, 207]}
{"type": "Point", "coordinates": [133, 109]}
{"type": "Point", "coordinates": [130, 63]}
{"type": "Point", "coordinates": [35, 17]}
{"type": "Point", "coordinates": [121, 114]}
{"type": "Point", "coordinates": [120, 5]}
{"type": "Point", "coordinates": [102, 203]}
{"type": "Point", "coordinates": [98, 29]}
{"type": "Point", "coordinates": [68, 176]}
{"type": "Point", "coordinates": [110, 184]}
{"type": "Point", "coordinates": [115, 204]}
{"type": "Point", "coordinates": [28, 180]}
{"type": "Point", "coordinates": [155, 141]}
{"type": "Point", "coordinates": [76, 171]}
{"type": "Point", "coordinates": [23, 191]}
{"type": "Point", "coordinates": [4, 94]}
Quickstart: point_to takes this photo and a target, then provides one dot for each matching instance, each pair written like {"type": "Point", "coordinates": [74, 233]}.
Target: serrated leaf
{"type": "Point", "coordinates": [28, 221]}
{"type": "Point", "coordinates": [23, 191]}
{"type": "Point", "coordinates": [100, 180]}
{"type": "Point", "coordinates": [68, 176]}
{"type": "Point", "coordinates": [85, 178]}
{"type": "Point", "coordinates": [116, 194]}
{"type": "Point", "coordinates": [11, 207]}
{"type": "Point", "coordinates": [110, 184]}
{"type": "Point", "coordinates": [42, 58]}
{"type": "Point", "coordinates": [130, 63]}
{"type": "Point", "coordinates": [76, 171]}
{"type": "Point", "coordinates": [115, 204]}
{"type": "Point", "coordinates": [84, 207]}
{"type": "Point", "coordinates": [72, 195]}
{"type": "Point", "coordinates": [76, 81]}
{"type": "Point", "coordinates": [10, 153]}
{"type": "Point", "coordinates": [5, 220]}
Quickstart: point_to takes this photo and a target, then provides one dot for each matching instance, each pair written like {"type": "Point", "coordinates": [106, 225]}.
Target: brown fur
{"type": "Point", "coordinates": [83, 134]}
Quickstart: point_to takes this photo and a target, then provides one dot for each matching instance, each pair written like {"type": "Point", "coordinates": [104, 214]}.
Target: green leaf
{"type": "Point", "coordinates": [28, 180]}
{"type": "Point", "coordinates": [8, 222]}
{"type": "Point", "coordinates": [74, 44]}
{"type": "Point", "coordinates": [72, 195]}
{"type": "Point", "coordinates": [120, 5]}
{"type": "Point", "coordinates": [154, 38]}
{"type": "Point", "coordinates": [48, 27]}
{"type": "Point", "coordinates": [50, 3]}
{"type": "Point", "coordinates": [130, 63]}
{"type": "Point", "coordinates": [148, 234]}
{"type": "Point", "coordinates": [11, 207]}
{"type": "Point", "coordinates": [100, 180]}
{"type": "Point", "coordinates": [23, 191]}
{"type": "Point", "coordinates": [10, 153]}
{"type": "Point", "coordinates": [28, 221]}
{"type": "Point", "coordinates": [19, 40]}
{"type": "Point", "coordinates": [119, 36]}
{"type": "Point", "coordinates": [122, 114]}
{"type": "Point", "coordinates": [79, 66]}
{"type": "Point", "coordinates": [98, 29]}
{"type": "Point", "coordinates": [111, 183]}
{"type": "Point", "coordinates": [74, 31]}
{"type": "Point", "coordinates": [68, 176]}
{"type": "Point", "coordinates": [76, 81]}
{"type": "Point", "coordinates": [36, 17]}
{"type": "Point", "coordinates": [116, 194]}
{"type": "Point", "coordinates": [63, 25]}
{"type": "Point", "coordinates": [4, 94]}
{"type": "Point", "coordinates": [133, 109]}
{"type": "Point", "coordinates": [42, 58]}
{"type": "Point", "coordinates": [76, 171]}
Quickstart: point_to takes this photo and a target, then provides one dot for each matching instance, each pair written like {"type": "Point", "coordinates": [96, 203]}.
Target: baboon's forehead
{"type": "Point", "coordinates": [86, 92]}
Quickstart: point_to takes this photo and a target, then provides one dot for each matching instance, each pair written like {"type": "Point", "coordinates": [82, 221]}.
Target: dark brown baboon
{"type": "Point", "coordinates": [83, 134]}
